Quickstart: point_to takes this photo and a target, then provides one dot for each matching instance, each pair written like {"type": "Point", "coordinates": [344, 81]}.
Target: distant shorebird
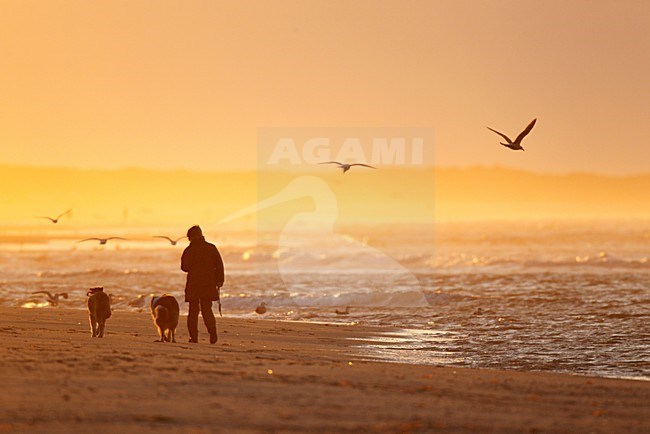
{"type": "Point", "coordinates": [343, 312]}
{"type": "Point", "coordinates": [173, 242]}
{"type": "Point", "coordinates": [261, 309]}
{"type": "Point", "coordinates": [139, 301]}
{"type": "Point", "coordinates": [54, 220]}
{"type": "Point", "coordinates": [346, 167]}
{"type": "Point", "coordinates": [102, 241]}
{"type": "Point", "coordinates": [53, 299]}
{"type": "Point", "coordinates": [516, 145]}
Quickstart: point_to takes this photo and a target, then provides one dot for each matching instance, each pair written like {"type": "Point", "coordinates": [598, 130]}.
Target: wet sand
{"type": "Point", "coordinates": [267, 376]}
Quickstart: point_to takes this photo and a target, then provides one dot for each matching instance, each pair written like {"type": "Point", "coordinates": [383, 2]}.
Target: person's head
{"type": "Point", "coordinates": [194, 233]}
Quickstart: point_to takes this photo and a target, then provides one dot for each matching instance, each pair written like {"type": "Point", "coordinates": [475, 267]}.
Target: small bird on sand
{"type": "Point", "coordinates": [139, 301]}
{"type": "Point", "coordinates": [53, 219]}
{"type": "Point", "coordinates": [516, 145]}
{"type": "Point", "coordinates": [261, 309]}
{"type": "Point", "coordinates": [53, 299]}
{"type": "Point", "coordinates": [102, 241]}
{"type": "Point", "coordinates": [173, 242]}
{"type": "Point", "coordinates": [343, 312]}
{"type": "Point", "coordinates": [346, 167]}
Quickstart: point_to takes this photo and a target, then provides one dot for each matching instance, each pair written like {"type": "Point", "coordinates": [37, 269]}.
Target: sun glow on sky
{"type": "Point", "coordinates": [186, 85]}
{"type": "Point", "coordinates": [188, 88]}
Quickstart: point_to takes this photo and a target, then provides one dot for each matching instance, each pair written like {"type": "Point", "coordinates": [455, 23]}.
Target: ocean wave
{"type": "Point", "coordinates": [101, 272]}
{"type": "Point", "coordinates": [576, 263]}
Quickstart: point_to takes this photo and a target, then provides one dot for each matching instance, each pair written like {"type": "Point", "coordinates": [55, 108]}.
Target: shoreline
{"type": "Point", "coordinates": [280, 376]}
{"type": "Point", "coordinates": [373, 338]}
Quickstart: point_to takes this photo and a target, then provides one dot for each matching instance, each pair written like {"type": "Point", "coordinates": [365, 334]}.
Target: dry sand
{"type": "Point", "coordinates": [56, 378]}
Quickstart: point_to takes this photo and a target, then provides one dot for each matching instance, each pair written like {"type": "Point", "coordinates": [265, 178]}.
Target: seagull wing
{"type": "Point", "coordinates": [116, 238]}
{"type": "Point", "coordinates": [164, 237]}
{"type": "Point", "coordinates": [513, 146]}
{"type": "Point", "coordinates": [49, 295]}
{"type": "Point", "coordinates": [45, 217]}
{"type": "Point", "coordinates": [364, 165]}
{"type": "Point", "coordinates": [332, 162]}
{"type": "Point", "coordinates": [502, 135]}
{"type": "Point", "coordinates": [90, 239]}
{"type": "Point", "coordinates": [178, 239]}
{"type": "Point", "coordinates": [525, 132]}
{"type": "Point", "coordinates": [61, 215]}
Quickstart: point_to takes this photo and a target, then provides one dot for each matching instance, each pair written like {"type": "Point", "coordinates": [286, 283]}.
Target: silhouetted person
{"type": "Point", "coordinates": [204, 267]}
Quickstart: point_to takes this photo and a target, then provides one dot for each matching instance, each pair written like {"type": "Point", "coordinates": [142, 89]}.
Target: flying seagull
{"type": "Point", "coordinates": [102, 241]}
{"type": "Point", "coordinates": [516, 145]}
{"type": "Point", "coordinates": [346, 167]}
{"type": "Point", "coordinates": [54, 220]}
{"type": "Point", "coordinates": [53, 299]}
{"type": "Point", "coordinates": [173, 242]}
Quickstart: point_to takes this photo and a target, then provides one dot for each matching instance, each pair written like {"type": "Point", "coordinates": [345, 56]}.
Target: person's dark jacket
{"type": "Point", "coordinates": [204, 267]}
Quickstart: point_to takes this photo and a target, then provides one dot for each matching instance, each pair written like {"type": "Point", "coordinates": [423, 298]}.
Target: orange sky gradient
{"type": "Point", "coordinates": [186, 85]}
{"type": "Point", "coordinates": [176, 199]}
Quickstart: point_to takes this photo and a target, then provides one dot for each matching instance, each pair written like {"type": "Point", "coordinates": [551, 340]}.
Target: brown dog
{"type": "Point", "coordinates": [165, 312]}
{"type": "Point", "coordinates": [99, 309]}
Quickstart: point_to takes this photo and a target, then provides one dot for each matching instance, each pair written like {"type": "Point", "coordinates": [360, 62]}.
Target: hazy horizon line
{"type": "Point", "coordinates": [301, 169]}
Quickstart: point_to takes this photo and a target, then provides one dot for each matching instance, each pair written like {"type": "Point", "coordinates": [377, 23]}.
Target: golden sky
{"type": "Point", "coordinates": [109, 84]}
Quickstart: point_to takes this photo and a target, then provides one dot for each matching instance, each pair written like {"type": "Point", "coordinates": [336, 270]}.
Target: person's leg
{"type": "Point", "coordinates": [208, 319]}
{"type": "Point", "coordinates": [193, 320]}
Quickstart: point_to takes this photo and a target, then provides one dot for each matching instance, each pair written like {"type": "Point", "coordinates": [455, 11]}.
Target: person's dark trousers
{"type": "Point", "coordinates": [205, 306]}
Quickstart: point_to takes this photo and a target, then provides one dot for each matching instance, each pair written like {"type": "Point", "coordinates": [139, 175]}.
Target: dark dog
{"type": "Point", "coordinates": [165, 313]}
{"type": "Point", "coordinates": [99, 309]}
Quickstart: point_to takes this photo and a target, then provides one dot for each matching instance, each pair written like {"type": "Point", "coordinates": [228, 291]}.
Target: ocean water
{"type": "Point", "coordinates": [541, 296]}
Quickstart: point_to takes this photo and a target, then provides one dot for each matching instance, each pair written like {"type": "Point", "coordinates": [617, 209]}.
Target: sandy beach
{"type": "Point", "coordinates": [268, 376]}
